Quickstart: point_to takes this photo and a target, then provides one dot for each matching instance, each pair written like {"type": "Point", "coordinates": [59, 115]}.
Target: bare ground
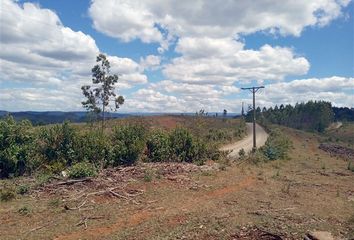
{"type": "Point", "coordinates": [247, 142]}
{"type": "Point", "coordinates": [275, 200]}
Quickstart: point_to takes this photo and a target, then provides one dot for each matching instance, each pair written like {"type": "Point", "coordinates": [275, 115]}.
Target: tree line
{"type": "Point", "coordinates": [309, 116]}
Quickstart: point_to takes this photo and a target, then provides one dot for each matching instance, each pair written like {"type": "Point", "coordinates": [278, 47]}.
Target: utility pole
{"type": "Point", "coordinates": [254, 90]}
{"type": "Point", "coordinates": [242, 111]}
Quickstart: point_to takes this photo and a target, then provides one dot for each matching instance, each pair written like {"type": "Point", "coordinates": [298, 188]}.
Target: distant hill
{"type": "Point", "coordinates": [50, 117]}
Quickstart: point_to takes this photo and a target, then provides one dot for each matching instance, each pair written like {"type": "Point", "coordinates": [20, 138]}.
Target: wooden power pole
{"type": "Point", "coordinates": [254, 90]}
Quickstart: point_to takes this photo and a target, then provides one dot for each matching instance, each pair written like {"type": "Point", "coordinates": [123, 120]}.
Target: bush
{"type": "Point", "coordinates": [182, 144]}
{"type": "Point", "coordinates": [94, 147]}
{"type": "Point", "coordinates": [7, 193]}
{"type": "Point", "coordinates": [16, 145]}
{"type": "Point", "coordinates": [24, 210]}
{"type": "Point", "coordinates": [128, 144]}
{"type": "Point", "coordinates": [22, 189]}
{"type": "Point", "coordinates": [81, 170]}
{"type": "Point", "coordinates": [242, 153]}
{"type": "Point", "coordinates": [56, 144]}
{"type": "Point", "coordinates": [158, 147]}
{"type": "Point", "coordinates": [256, 157]}
{"type": "Point", "coordinates": [276, 146]}
{"type": "Point", "coordinates": [186, 148]}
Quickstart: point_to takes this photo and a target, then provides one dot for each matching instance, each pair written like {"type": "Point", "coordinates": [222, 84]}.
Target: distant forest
{"type": "Point", "coordinates": [310, 116]}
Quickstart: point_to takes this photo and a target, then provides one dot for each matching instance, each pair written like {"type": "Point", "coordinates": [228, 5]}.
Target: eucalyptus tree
{"type": "Point", "coordinates": [101, 95]}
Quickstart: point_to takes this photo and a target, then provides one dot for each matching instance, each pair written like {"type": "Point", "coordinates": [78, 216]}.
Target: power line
{"type": "Point", "coordinates": [254, 90]}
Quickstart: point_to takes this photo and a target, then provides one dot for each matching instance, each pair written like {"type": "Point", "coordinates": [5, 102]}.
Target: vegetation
{"type": "Point", "coordinates": [83, 150]}
{"type": "Point", "coordinates": [81, 170]}
{"type": "Point", "coordinates": [7, 193]}
{"type": "Point", "coordinates": [343, 114]}
{"type": "Point", "coordinates": [103, 90]}
{"type": "Point", "coordinates": [16, 144]}
{"type": "Point", "coordinates": [159, 147]}
{"type": "Point", "coordinates": [310, 116]}
{"type": "Point", "coordinates": [128, 143]}
{"type": "Point", "coordinates": [276, 147]}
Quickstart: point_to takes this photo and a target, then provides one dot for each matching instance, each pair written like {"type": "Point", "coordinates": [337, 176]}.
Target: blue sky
{"type": "Point", "coordinates": [177, 57]}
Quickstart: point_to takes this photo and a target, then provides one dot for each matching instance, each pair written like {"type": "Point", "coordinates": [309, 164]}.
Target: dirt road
{"type": "Point", "coordinates": [247, 142]}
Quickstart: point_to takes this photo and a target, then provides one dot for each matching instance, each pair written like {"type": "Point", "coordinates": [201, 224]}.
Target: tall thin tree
{"type": "Point", "coordinates": [101, 93]}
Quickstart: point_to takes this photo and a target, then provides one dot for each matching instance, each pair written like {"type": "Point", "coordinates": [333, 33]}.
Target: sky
{"type": "Point", "coordinates": [177, 56]}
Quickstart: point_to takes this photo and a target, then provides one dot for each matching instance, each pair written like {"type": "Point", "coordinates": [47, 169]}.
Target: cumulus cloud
{"type": "Point", "coordinates": [150, 62]}
{"type": "Point", "coordinates": [183, 97]}
{"type": "Point", "coordinates": [42, 60]}
{"type": "Point", "coordinates": [338, 90]}
{"type": "Point", "coordinates": [150, 20]}
{"type": "Point", "coordinates": [224, 61]}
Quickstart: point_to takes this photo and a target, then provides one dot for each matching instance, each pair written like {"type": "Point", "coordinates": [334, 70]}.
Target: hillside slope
{"type": "Point", "coordinates": [279, 199]}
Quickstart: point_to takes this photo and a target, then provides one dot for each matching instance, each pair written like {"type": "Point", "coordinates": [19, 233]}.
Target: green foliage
{"type": "Point", "coordinates": [158, 147]}
{"type": "Point", "coordinates": [242, 153]}
{"type": "Point", "coordinates": [148, 176]}
{"type": "Point", "coordinates": [276, 146]}
{"type": "Point", "coordinates": [43, 178]}
{"type": "Point", "coordinates": [22, 189]}
{"type": "Point", "coordinates": [7, 193]}
{"type": "Point", "coordinates": [99, 95]}
{"type": "Point", "coordinates": [56, 144]}
{"type": "Point", "coordinates": [185, 147]}
{"type": "Point", "coordinates": [128, 144]}
{"type": "Point", "coordinates": [94, 147]}
{"type": "Point", "coordinates": [16, 145]}
{"type": "Point", "coordinates": [24, 210]}
{"type": "Point", "coordinates": [256, 157]}
{"type": "Point", "coordinates": [81, 170]}
{"type": "Point", "coordinates": [182, 143]}
{"type": "Point", "coordinates": [310, 116]}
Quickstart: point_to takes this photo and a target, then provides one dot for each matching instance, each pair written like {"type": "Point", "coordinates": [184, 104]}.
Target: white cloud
{"type": "Point", "coordinates": [224, 61]}
{"type": "Point", "coordinates": [41, 60]}
{"type": "Point", "coordinates": [169, 96]}
{"type": "Point", "coordinates": [126, 20]}
{"type": "Point", "coordinates": [338, 90]}
{"type": "Point", "coordinates": [132, 19]}
{"type": "Point", "coordinates": [150, 62]}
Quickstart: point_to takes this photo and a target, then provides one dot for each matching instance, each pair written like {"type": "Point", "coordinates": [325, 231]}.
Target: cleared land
{"type": "Point", "coordinates": [310, 191]}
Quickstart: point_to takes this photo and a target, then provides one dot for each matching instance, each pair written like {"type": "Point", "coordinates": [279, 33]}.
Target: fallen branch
{"type": "Point", "coordinates": [75, 208]}
{"type": "Point", "coordinates": [85, 219]}
{"type": "Point", "coordinates": [38, 228]}
{"type": "Point", "coordinates": [68, 182]}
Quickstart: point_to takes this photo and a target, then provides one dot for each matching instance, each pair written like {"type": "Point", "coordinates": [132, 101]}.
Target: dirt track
{"type": "Point", "coordinates": [247, 142]}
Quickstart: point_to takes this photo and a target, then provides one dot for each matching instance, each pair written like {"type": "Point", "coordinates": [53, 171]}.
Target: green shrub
{"type": "Point", "coordinates": [128, 144]}
{"type": "Point", "coordinates": [56, 144]}
{"type": "Point", "coordinates": [16, 145]}
{"type": "Point", "coordinates": [182, 145]}
{"type": "Point", "coordinates": [148, 176]}
{"type": "Point", "coordinates": [22, 189]}
{"type": "Point", "coordinates": [256, 157]}
{"type": "Point", "coordinates": [276, 146]}
{"type": "Point", "coordinates": [94, 147]}
{"type": "Point", "coordinates": [43, 178]}
{"type": "Point", "coordinates": [24, 211]}
{"type": "Point", "coordinates": [186, 148]}
{"type": "Point", "coordinates": [158, 147]}
{"type": "Point", "coordinates": [81, 170]}
{"type": "Point", "coordinates": [7, 193]}
{"type": "Point", "coordinates": [242, 153]}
